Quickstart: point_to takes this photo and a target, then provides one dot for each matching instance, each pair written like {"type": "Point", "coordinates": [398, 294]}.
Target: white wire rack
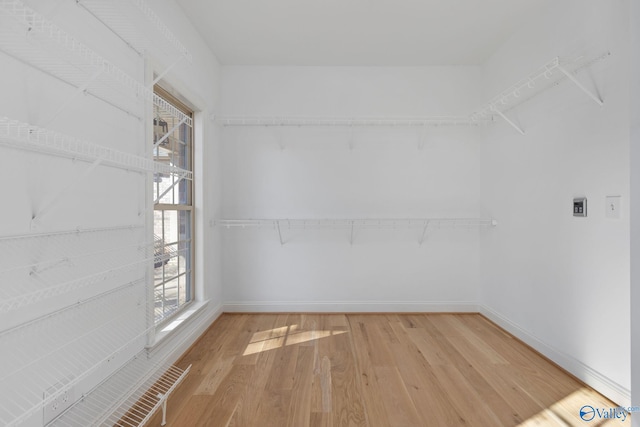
{"type": "Point", "coordinates": [165, 105]}
{"type": "Point", "coordinates": [131, 395]}
{"type": "Point", "coordinates": [67, 261]}
{"type": "Point", "coordinates": [373, 223]}
{"type": "Point", "coordinates": [25, 136]}
{"type": "Point", "coordinates": [59, 351]}
{"type": "Point", "coordinates": [31, 38]}
{"type": "Point", "coordinates": [127, 19]}
{"type": "Point", "coordinates": [352, 224]}
{"type": "Point", "coordinates": [346, 122]}
{"type": "Point", "coordinates": [548, 75]}
{"type": "Point", "coordinates": [128, 398]}
{"type": "Point", "coordinates": [74, 232]}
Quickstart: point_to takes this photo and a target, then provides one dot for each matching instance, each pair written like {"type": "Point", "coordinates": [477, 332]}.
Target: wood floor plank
{"type": "Point", "coordinates": [347, 403]}
{"type": "Point", "coordinates": [420, 380]}
{"type": "Point", "coordinates": [215, 372]}
{"type": "Point", "coordinates": [191, 412]}
{"type": "Point", "coordinates": [220, 408]}
{"type": "Point", "coordinates": [429, 346]}
{"type": "Point", "coordinates": [374, 370]}
{"type": "Point", "coordinates": [398, 403]}
{"type": "Point", "coordinates": [468, 366]}
{"type": "Point", "coordinates": [465, 398]}
{"type": "Point", "coordinates": [255, 398]}
{"type": "Point", "coordinates": [474, 347]}
{"type": "Point", "coordinates": [372, 390]}
{"type": "Point", "coordinates": [374, 342]}
{"type": "Point", "coordinates": [282, 376]}
{"type": "Point", "coordinates": [321, 419]}
{"type": "Point", "coordinates": [299, 413]}
{"type": "Point", "coordinates": [339, 389]}
{"type": "Point", "coordinates": [520, 403]}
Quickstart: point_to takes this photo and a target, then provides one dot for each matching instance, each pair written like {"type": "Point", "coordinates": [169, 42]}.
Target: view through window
{"type": "Point", "coordinates": [173, 211]}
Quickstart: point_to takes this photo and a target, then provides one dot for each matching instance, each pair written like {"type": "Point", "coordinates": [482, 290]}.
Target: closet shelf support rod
{"type": "Point", "coordinates": [507, 119]}
{"type": "Point", "coordinates": [573, 78]}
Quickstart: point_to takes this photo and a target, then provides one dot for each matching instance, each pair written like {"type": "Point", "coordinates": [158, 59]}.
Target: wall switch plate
{"type": "Point", "coordinates": [612, 207]}
{"type": "Point", "coordinates": [580, 206]}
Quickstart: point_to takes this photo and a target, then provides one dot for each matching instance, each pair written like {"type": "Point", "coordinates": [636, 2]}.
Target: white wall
{"type": "Point", "coordinates": [313, 173]}
{"type": "Point", "coordinates": [559, 282]}
{"type": "Point", "coordinates": [106, 197]}
{"type": "Point", "coordinates": [635, 205]}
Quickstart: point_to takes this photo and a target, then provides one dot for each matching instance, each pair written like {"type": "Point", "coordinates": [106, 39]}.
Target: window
{"type": "Point", "coordinates": [173, 211]}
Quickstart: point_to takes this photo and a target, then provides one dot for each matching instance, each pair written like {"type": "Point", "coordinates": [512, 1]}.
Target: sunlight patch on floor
{"type": "Point", "coordinates": [273, 333]}
{"type": "Point", "coordinates": [580, 408]}
{"type": "Point", "coordinates": [285, 336]}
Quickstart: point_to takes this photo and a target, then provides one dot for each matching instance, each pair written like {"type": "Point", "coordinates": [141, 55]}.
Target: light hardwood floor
{"type": "Point", "coordinates": [373, 370]}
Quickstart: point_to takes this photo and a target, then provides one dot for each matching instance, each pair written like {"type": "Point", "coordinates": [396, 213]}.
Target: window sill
{"type": "Point", "coordinates": [173, 326]}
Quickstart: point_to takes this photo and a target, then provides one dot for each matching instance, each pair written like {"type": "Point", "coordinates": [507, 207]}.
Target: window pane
{"type": "Point", "coordinates": [172, 146]}
{"type": "Point", "coordinates": [182, 261]}
{"type": "Point", "coordinates": [166, 188]}
{"type": "Point", "coordinates": [170, 227]}
{"type": "Point", "coordinates": [184, 231]}
{"type": "Point", "coordinates": [182, 290]}
{"type": "Point", "coordinates": [171, 268]}
{"type": "Point", "coordinates": [166, 298]}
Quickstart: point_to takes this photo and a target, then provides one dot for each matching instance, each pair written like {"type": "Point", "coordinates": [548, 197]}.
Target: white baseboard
{"type": "Point", "coordinates": [349, 307]}
{"type": "Point", "coordinates": [591, 377]}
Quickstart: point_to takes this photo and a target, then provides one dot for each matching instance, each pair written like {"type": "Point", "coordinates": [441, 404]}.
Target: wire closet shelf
{"type": "Point", "coordinates": [60, 350]}
{"type": "Point", "coordinates": [372, 223]}
{"type": "Point", "coordinates": [128, 398]}
{"type": "Point", "coordinates": [33, 39]}
{"type": "Point", "coordinates": [126, 17]}
{"type": "Point", "coordinates": [64, 262]}
{"type": "Point", "coordinates": [432, 121]}
{"type": "Point", "coordinates": [139, 387]}
{"type": "Point", "coordinates": [352, 224]}
{"type": "Point", "coordinates": [25, 136]}
{"type": "Point", "coordinates": [72, 345]}
{"type": "Point", "coordinates": [548, 75]}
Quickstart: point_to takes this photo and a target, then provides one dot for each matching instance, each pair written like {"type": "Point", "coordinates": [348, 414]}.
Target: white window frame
{"type": "Point", "coordinates": [203, 129]}
{"type": "Point", "coordinates": [171, 256]}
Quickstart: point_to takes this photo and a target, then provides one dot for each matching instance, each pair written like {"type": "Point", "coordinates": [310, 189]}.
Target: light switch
{"type": "Point", "coordinates": [612, 207]}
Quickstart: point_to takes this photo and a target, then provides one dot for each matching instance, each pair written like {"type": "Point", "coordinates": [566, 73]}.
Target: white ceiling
{"type": "Point", "coordinates": [357, 32]}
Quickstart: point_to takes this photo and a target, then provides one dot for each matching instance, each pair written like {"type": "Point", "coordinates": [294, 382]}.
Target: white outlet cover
{"type": "Point", "coordinates": [612, 207]}
{"type": "Point", "coordinates": [59, 398]}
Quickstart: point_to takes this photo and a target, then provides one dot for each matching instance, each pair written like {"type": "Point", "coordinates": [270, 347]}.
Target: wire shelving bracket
{"type": "Point", "coordinates": [549, 75]}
